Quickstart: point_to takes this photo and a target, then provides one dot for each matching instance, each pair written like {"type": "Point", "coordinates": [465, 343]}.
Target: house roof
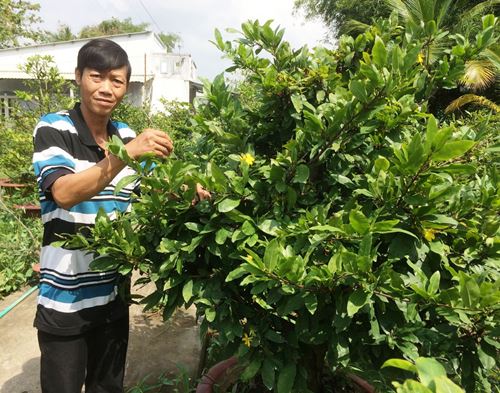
{"type": "Point", "coordinates": [139, 46]}
{"type": "Point", "coordinates": [82, 40]}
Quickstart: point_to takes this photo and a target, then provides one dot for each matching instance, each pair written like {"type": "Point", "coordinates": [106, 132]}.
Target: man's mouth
{"type": "Point", "coordinates": [104, 102]}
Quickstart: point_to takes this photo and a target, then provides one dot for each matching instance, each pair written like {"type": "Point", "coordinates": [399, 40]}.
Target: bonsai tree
{"type": "Point", "coordinates": [348, 225]}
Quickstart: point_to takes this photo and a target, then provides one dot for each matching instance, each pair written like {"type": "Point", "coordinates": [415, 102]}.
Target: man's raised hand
{"type": "Point", "coordinates": [150, 141]}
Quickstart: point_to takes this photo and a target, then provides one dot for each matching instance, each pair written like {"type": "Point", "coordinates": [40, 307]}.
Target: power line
{"type": "Point", "coordinates": [150, 16]}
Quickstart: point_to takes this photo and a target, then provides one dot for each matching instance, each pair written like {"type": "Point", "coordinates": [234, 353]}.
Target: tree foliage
{"type": "Point", "coordinates": [63, 33]}
{"type": "Point", "coordinates": [111, 27]}
{"type": "Point", "coordinates": [45, 91]}
{"type": "Point", "coordinates": [339, 14]}
{"type": "Point", "coordinates": [17, 22]}
{"type": "Point", "coordinates": [170, 40]}
{"type": "Point", "coordinates": [108, 27]}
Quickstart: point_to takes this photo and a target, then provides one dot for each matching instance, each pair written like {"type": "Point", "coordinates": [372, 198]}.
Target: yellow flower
{"type": "Point", "coordinates": [247, 340]}
{"type": "Point", "coordinates": [420, 58]}
{"type": "Point", "coordinates": [429, 234]}
{"type": "Point", "coordinates": [247, 158]}
{"type": "Point", "coordinates": [249, 258]}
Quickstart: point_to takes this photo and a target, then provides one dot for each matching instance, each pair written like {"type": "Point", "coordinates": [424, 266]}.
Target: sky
{"type": "Point", "coordinates": [193, 20]}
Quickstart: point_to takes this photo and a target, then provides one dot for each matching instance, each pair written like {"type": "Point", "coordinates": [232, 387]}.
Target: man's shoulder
{"type": "Point", "coordinates": [59, 120]}
{"type": "Point", "coordinates": [124, 131]}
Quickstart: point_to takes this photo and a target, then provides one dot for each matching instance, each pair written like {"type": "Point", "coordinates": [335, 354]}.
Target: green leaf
{"type": "Point", "coordinates": [357, 300]}
{"type": "Point", "coordinates": [270, 227]}
{"type": "Point", "coordinates": [359, 221]}
{"type": "Point", "coordinates": [297, 102]}
{"type": "Point", "coordinates": [428, 369]}
{"type": "Point", "coordinates": [272, 254]}
{"type": "Point", "coordinates": [469, 290]}
{"type": "Point", "coordinates": [452, 149]}
{"type": "Point", "coordinates": [287, 378]}
{"type": "Point", "coordinates": [221, 236]}
{"type": "Point", "coordinates": [247, 228]}
{"type": "Point", "coordinates": [379, 52]}
{"type": "Point", "coordinates": [218, 39]}
{"type": "Point", "coordinates": [401, 364]}
{"type": "Point", "coordinates": [416, 155]}
{"type": "Point", "coordinates": [187, 291]}
{"type": "Point", "coordinates": [194, 226]}
{"type": "Point", "coordinates": [252, 369]}
{"type": "Point", "coordinates": [440, 219]}
{"type": "Point", "coordinates": [432, 130]}
{"type": "Point", "coordinates": [445, 385]}
{"type": "Point", "coordinates": [103, 263]}
{"type": "Point", "coordinates": [268, 374]}
{"type": "Point", "coordinates": [292, 303]}
{"type": "Point", "coordinates": [275, 337]}
{"type": "Point", "coordinates": [125, 181]}
{"type": "Point", "coordinates": [466, 169]}
{"type": "Point", "coordinates": [227, 205]}
{"type": "Point", "coordinates": [388, 227]}
{"type": "Point", "coordinates": [210, 314]}
{"type": "Point", "coordinates": [358, 90]}
{"type": "Point", "coordinates": [219, 178]}
{"type": "Point", "coordinates": [124, 269]}
{"type": "Point", "coordinates": [236, 273]}
{"type": "Point", "coordinates": [291, 197]}
{"type": "Point", "coordinates": [277, 174]}
{"type": "Point", "coordinates": [311, 303]}
{"type": "Point", "coordinates": [434, 283]}
{"type": "Point", "coordinates": [430, 27]}
{"type": "Point", "coordinates": [381, 164]}
{"type": "Point", "coordinates": [487, 355]}
{"type": "Point", "coordinates": [301, 174]}
{"type": "Point", "coordinates": [412, 386]}
{"type": "Point", "coordinates": [365, 247]}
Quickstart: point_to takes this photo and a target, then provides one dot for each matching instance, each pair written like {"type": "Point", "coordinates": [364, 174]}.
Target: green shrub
{"type": "Point", "coordinates": [348, 225]}
{"type": "Point", "coordinates": [20, 239]}
{"type": "Point", "coordinates": [16, 150]}
{"type": "Point", "coordinates": [46, 92]}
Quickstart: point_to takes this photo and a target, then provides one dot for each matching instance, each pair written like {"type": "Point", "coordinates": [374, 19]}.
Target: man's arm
{"type": "Point", "coordinates": [71, 189]}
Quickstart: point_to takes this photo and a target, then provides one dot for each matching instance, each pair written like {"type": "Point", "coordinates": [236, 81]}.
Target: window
{"type": "Point", "coordinates": [7, 101]}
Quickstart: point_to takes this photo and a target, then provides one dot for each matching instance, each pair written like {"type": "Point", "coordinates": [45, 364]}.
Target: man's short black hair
{"type": "Point", "coordinates": [102, 54]}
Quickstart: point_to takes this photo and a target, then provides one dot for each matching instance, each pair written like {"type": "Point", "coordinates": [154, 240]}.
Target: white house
{"type": "Point", "coordinates": [156, 73]}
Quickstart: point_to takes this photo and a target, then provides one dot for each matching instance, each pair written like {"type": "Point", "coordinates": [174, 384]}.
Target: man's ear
{"type": "Point", "coordinates": [78, 76]}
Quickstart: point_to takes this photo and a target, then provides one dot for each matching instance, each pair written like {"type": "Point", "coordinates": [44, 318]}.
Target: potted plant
{"type": "Point", "coordinates": [348, 225]}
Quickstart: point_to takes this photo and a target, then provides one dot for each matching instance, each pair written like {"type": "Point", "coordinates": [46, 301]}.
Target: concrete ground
{"type": "Point", "coordinates": [155, 347]}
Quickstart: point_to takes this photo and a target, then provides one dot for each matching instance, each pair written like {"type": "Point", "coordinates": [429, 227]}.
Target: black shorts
{"type": "Point", "coordinates": [95, 358]}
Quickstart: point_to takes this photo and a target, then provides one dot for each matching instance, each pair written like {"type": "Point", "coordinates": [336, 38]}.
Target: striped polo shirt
{"type": "Point", "coordinates": [72, 298]}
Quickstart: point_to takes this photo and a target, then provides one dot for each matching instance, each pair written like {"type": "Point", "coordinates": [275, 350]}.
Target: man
{"type": "Point", "coordinates": [82, 323]}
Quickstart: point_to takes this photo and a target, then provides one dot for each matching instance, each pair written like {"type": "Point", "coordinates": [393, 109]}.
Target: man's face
{"type": "Point", "coordinates": [101, 91]}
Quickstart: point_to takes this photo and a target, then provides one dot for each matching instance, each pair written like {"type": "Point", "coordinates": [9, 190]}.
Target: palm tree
{"type": "Point", "coordinates": [437, 20]}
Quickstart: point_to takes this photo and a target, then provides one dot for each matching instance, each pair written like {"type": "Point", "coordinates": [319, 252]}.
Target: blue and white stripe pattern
{"type": "Point", "coordinates": [63, 145]}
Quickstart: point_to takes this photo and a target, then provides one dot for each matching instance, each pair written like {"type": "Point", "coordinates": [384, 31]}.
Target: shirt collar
{"type": "Point", "coordinates": [83, 130]}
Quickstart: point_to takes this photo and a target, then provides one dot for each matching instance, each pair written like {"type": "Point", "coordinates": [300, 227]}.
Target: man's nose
{"type": "Point", "coordinates": [105, 86]}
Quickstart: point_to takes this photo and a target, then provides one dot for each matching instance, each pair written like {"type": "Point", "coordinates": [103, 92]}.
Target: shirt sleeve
{"type": "Point", "coordinates": [51, 158]}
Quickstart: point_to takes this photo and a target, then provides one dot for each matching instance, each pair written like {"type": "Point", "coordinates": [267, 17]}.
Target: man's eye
{"type": "Point", "coordinates": [118, 81]}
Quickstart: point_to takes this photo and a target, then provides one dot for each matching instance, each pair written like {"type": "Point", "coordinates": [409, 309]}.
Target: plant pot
{"type": "Point", "coordinates": [226, 372]}
{"type": "Point", "coordinates": [222, 375]}
{"type": "Point", "coordinates": [361, 383]}
{"type": "Point", "coordinates": [29, 210]}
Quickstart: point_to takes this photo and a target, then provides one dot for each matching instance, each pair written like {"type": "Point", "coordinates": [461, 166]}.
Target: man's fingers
{"type": "Point", "coordinates": [160, 143]}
